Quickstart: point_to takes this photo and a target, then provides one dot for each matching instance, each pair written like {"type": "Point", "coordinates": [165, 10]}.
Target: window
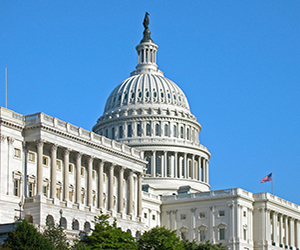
{"type": "Point", "coordinates": [31, 157]}
{"type": "Point", "coordinates": [120, 132]}
{"type": "Point", "coordinates": [157, 130]}
{"type": "Point", "coordinates": [153, 217]}
{"type": "Point", "coordinates": [181, 132]}
{"type": "Point", "coordinates": [82, 196]}
{"type": "Point", "coordinates": [58, 193]}
{"type": "Point", "coordinates": [183, 235]}
{"type": "Point", "coordinates": [45, 191]}
{"type": "Point", "coordinates": [145, 215]}
{"type": "Point", "coordinates": [183, 216]}
{"type": "Point", "coordinates": [245, 213]}
{"type": "Point", "coordinates": [82, 171]}
{"type": "Point", "coordinates": [222, 233]}
{"type": "Point", "coordinates": [139, 130]}
{"type": "Point", "coordinates": [113, 133]}
{"type": "Point", "coordinates": [174, 131]}
{"type": "Point", "coordinates": [221, 213]}
{"type": "Point", "coordinates": [202, 233]}
{"type": "Point", "coordinates": [17, 153]}
{"type": "Point", "coordinates": [245, 234]}
{"type": "Point", "coordinates": [106, 133]}
{"type": "Point", "coordinates": [148, 129]}
{"type": "Point", "coordinates": [166, 130]}
{"type": "Point", "coordinates": [94, 199]}
{"type": "Point", "coordinates": [30, 189]}
{"type": "Point", "coordinates": [94, 174]}
{"type": "Point", "coordinates": [129, 130]}
{"type": "Point", "coordinates": [188, 133]}
{"type": "Point", "coordinates": [58, 165]}
{"type": "Point", "coordinates": [45, 160]}
{"type": "Point", "coordinates": [70, 195]}
{"type": "Point", "coordinates": [202, 215]}
{"type": "Point", "coordinates": [70, 168]}
{"type": "Point", "coordinates": [16, 187]}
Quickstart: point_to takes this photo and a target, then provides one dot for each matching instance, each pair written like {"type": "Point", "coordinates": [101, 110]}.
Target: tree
{"type": "Point", "coordinates": [160, 238]}
{"type": "Point", "coordinates": [203, 246]}
{"type": "Point", "coordinates": [106, 236]}
{"type": "Point", "coordinates": [56, 235]}
{"type": "Point", "coordinates": [25, 236]}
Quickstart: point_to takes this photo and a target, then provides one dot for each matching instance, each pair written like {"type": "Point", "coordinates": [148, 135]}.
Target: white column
{"type": "Point", "coordinates": [274, 219]}
{"type": "Point", "coordinates": [121, 190]}
{"type": "Point", "coordinates": [40, 145]}
{"type": "Point", "coordinates": [185, 166]}
{"type": "Point", "coordinates": [90, 181]}
{"type": "Point", "coordinates": [297, 233]}
{"type": "Point", "coordinates": [139, 198]}
{"type": "Point", "coordinates": [78, 177]}
{"type": "Point", "coordinates": [153, 164]}
{"type": "Point", "coordinates": [176, 165]}
{"type": "Point", "coordinates": [66, 173]}
{"type": "Point", "coordinates": [207, 173]}
{"type": "Point", "coordinates": [280, 229]}
{"type": "Point", "coordinates": [10, 152]}
{"type": "Point", "coordinates": [268, 226]}
{"type": "Point", "coordinates": [162, 165]}
{"type": "Point", "coordinates": [100, 184]}
{"type": "Point", "coordinates": [286, 230]}
{"type": "Point", "coordinates": [111, 187]}
{"type": "Point", "coordinates": [193, 168]}
{"type": "Point", "coordinates": [193, 224]}
{"type": "Point", "coordinates": [166, 164]}
{"type": "Point", "coordinates": [199, 168]}
{"type": "Point", "coordinates": [53, 171]}
{"type": "Point", "coordinates": [130, 193]}
{"type": "Point", "coordinates": [292, 232]}
{"type": "Point", "coordinates": [171, 162]}
{"type": "Point", "coordinates": [203, 170]}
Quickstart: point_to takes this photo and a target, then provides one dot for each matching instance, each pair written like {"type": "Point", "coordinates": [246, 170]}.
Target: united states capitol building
{"type": "Point", "coordinates": [142, 164]}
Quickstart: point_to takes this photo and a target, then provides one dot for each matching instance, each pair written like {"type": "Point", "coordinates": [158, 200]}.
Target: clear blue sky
{"type": "Point", "coordinates": [237, 62]}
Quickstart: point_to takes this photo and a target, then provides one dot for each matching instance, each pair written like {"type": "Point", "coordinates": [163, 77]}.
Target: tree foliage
{"type": "Point", "coordinates": [56, 235]}
{"type": "Point", "coordinates": [25, 236]}
{"type": "Point", "coordinates": [203, 246]}
{"type": "Point", "coordinates": [106, 236]}
{"type": "Point", "coordinates": [160, 238]}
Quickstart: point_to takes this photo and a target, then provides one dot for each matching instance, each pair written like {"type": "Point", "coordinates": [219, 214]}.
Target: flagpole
{"type": "Point", "coordinates": [272, 182]}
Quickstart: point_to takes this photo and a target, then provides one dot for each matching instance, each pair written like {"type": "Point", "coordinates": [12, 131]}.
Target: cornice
{"type": "Point", "coordinates": [11, 124]}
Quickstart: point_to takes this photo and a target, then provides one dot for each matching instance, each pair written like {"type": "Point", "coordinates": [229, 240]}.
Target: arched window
{"type": "Point", "coordinates": [75, 225]}
{"type": "Point", "coordinates": [120, 132]}
{"type": "Point", "coordinates": [113, 133]}
{"type": "Point", "coordinates": [63, 222]}
{"type": "Point", "coordinates": [183, 233]}
{"type": "Point", "coordinates": [181, 132]}
{"type": "Point", "coordinates": [222, 231]}
{"type": "Point", "coordinates": [87, 227]}
{"type": "Point", "coordinates": [166, 130]}
{"type": "Point", "coordinates": [148, 129]}
{"type": "Point", "coordinates": [174, 131]}
{"type": "Point", "coordinates": [202, 233]}
{"type": "Point", "coordinates": [129, 130]}
{"type": "Point", "coordinates": [157, 129]}
{"type": "Point", "coordinates": [139, 129]}
{"type": "Point", "coordinates": [49, 220]}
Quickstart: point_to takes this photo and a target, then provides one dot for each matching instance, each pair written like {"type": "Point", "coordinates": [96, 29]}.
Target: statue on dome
{"type": "Point", "coordinates": [146, 20]}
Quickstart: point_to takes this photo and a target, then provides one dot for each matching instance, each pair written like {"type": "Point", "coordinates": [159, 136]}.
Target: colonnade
{"type": "Point", "coordinates": [115, 197]}
{"type": "Point", "coordinates": [281, 230]}
{"type": "Point", "coordinates": [177, 165]}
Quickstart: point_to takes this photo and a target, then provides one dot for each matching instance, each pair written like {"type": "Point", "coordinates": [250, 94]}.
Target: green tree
{"type": "Point", "coordinates": [203, 246]}
{"type": "Point", "coordinates": [160, 238]}
{"type": "Point", "coordinates": [56, 235]}
{"type": "Point", "coordinates": [26, 237]}
{"type": "Point", "coordinates": [106, 236]}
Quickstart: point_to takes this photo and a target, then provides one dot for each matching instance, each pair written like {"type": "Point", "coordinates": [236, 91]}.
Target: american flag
{"type": "Point", "coordinates": [267, 178]}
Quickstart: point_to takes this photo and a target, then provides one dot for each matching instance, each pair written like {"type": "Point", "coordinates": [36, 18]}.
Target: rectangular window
{"type": "Point", "coordinates": [45, 160]}
{"type": "Point", "coordinates": [30, 190]}
{"type": "Point", "coordinates": [31, 157]}
{"type": "Point", "coordinates": [70, 168]}
{"type": "Point", "coordinates": [58, 165]}
{"type": "Point", "coordinates": [222, 233]}
{"type": "Point", "coordinates": [221, 213]}
{"type": "Point", "coordinates": [94, 174]}
{"type": "Point", "coordinates": [16, 187]}
{"type": "Point", "coordinates": [183, 216]}
{"type": "Point", "coordinates": [70, 195]}
{"type": "Point", "coordinates": [145, 215]}
{"type": "Point", "coordinates": [58, 193]}
{"type": "Point", "coordinates": [153, 217]}
{"type": "Point", "coordinates": [202, 235]}
{"type": "Point", "coordinates": [202, 215]}
{"type": "Point", "coordinates": [82, 171]}
{"type": "Point", "coordinates": [82, 198]}
{"type": "Point", "coordinates": [103, 177]}
{"type": "Point", "coordinates": [244, 213]}
{"type": "Point", "coordinates": [45, 191]}
{"type": "Point", "coordinates": [245, 234]}
{"type": "Point", "coordinates": [17, 153]}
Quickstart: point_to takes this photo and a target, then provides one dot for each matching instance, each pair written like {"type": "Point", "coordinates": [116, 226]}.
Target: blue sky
{"type": "Point", "coordinates": [236, 61]}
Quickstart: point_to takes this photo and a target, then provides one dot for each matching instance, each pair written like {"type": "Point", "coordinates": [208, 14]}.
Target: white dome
{"type": "Point", "coordinates": [148, 90]}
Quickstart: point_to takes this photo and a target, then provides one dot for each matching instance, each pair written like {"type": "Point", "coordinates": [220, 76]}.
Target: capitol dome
{"type": "Point", "coordinates": [151, 113]}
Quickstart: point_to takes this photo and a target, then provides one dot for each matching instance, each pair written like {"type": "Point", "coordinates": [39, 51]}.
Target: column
{"type": "Point", "coordinates": [100, 184]}
{"type": "Point", "coordinates": [130, 193]}
{"type": "Point", "coordinates": [66, 173]}
{"type": "Point", "coordinates": [121, 190]}
{"type": "Point", "coordinates": [162, 165]}
{"type": "Point", "coordinates": [285, 230]}
{"type": "Point", "coordinates": [185, 166]}
{"type": "Point", "coordinates": [78, 176]}
{"type": "Point", "coordinates": [297, 233]}
{"type": "Point", "coordinates": [193, 223]}
{"type": "Point", "coordinates": [90, 181]}
{"type": "Point", "coordinates": [280, 230]}
{"type": "Point", "coordinates": [153, 164]}
{"type": "Point", "coordinates": [268, 226]}
{"type": "Point", "coordinates": [193, 167]}
{"type": "Point", "coordinates": [176, 165]}
{"type": "Point", "coordinates": [199, 168]}
{"type": "Point", "coordinates": [292, 232]}
{"type": "Point", "coordinates": [53, 171]}
{"type": "Point", "coordinates": [171, 163]}
{"type": "Point", "coordinates": [139, 200]}
{"type": "Point", "coordinates": [111, 187]}
{"type": "Point", "coordinates": [206, 168]}
{"type": "Point", "coordinates": [274, 228]}
{"type": "Point", "coordinates": [165, 164]}
{"type": "Point", "coordinates": [10, 141]}
{"type": "Point", "coordinates": [40, 145]}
